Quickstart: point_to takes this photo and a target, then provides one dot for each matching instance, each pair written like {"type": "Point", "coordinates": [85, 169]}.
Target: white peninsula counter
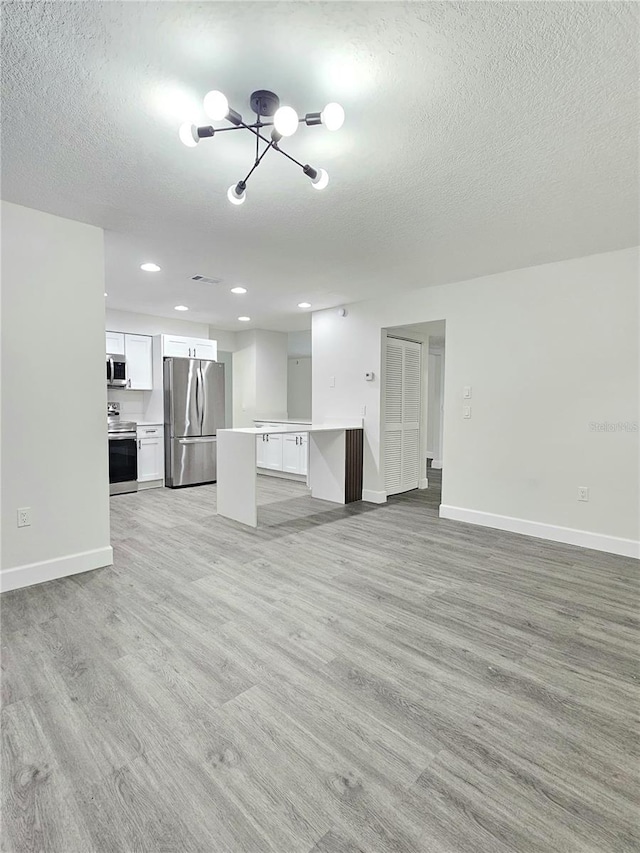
{"type": "Point", "coordinates": [335, 465]}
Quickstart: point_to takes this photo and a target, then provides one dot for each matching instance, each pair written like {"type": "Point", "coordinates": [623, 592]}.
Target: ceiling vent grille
{"type": "Point", "coordinates": [205, 279]}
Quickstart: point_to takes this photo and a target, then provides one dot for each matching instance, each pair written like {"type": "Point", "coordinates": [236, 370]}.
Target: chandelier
{"type": "Point", "coordinates": [283, 122]}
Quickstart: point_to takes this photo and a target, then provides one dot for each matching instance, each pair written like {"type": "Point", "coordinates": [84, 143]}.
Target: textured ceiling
{"type": "Point", "coordinates": [479, 137]}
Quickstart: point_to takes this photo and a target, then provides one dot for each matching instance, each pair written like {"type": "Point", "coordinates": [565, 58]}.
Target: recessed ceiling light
{"type": "Point", "coordinates": [150, 267]}
{"type": "Point", "coordinates": [304, 305]}
{"type": "Point", "coordinates": [244, 319]}
{"type": "Point", "coordinates": [181, 308]}
{"type": "Point", "coordinates": [238, 290]}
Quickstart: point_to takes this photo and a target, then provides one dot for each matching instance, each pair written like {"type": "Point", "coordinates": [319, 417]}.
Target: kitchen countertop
{"type": "Point", "coordinates": [281, 421]}
{"type": "Point", "coordinates": [288, 427]}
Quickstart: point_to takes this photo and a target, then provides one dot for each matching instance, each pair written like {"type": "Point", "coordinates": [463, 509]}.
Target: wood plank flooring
{"type": "Point", "coordinates": [361, 678]}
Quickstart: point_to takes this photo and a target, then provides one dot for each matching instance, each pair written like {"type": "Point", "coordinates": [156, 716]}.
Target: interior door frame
{"type": "Point", "coordinates": [422, 425]}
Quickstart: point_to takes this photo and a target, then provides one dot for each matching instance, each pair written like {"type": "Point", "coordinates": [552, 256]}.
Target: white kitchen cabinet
{"type": "Point", "coordinates": [294, 453]}
{"type": "Point", "coordinates": [207, 350]}
{"type": "Point", "coordinates": [176, 346]}
{"type": "Point", "coordinates": [261, 451]}
{"type": "Point", "coordinates": [137, 349]}
{"type": "Point", "coordinates": [115, 343]}
{"type": "Point", "coordinates": [286, 452]}
{"type": "Point", "coordinates": [273, 453]}
{"type": "Point", "coordinates": [150, 453]}
{"type": "Point", "coordinates": [303, 453]}
{"type": "Point", "coordinates": [291, 453]}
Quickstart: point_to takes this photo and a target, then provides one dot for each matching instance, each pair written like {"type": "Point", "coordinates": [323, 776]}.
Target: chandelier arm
{"type": "Point", "coordinates": [257, 140]}
{"type": "Point", "coordinates": [258, 161]}
{"type": "Point", "coordinates": [277, 148]}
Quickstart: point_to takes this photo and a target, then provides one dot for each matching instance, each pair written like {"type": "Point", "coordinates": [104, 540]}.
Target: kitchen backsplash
{"type": "Point", "coordinates": [133, 404]}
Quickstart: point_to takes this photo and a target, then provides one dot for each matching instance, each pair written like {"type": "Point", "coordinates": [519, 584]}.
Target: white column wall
{"type": "Point", "coordinates": [54, 396]}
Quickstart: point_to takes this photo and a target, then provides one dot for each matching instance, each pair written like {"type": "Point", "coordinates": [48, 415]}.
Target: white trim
{"type": "Point", "coordinates": [568, 535]}
{"type": "Point", "coordinates": [143, 485]}
{"type": "Point", "coordinates": [373, 497]}
{"type": "Point", "coordinates": [436, 463]}
{"type": "Point", "coordinates": [423, 483]}
{"type": "Point", "coordinates": [60, 567]}
{"type": "Point", "coordinates": [282, 475]}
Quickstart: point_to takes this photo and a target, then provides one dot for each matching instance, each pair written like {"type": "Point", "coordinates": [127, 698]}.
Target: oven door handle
{"type": "Point", "coordinates": [126, 436]}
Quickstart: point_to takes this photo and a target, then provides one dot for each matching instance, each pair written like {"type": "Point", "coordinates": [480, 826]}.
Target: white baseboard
{"type": "Point", "coordinates": [282, 475]}
{"type": "Point", "coordinates": [423, 483]}
{"type": "Point", "coordinates": [373, 497]}
{"type": "Point", "coordinates": [150, 484]}
{"type": "Point", "coordinates": [567, 535]}
{"type": "Point", "coordinates": [48, 570]}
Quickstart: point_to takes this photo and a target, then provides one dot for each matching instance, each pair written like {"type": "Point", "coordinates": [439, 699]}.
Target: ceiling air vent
{"type": "Point", "coordinates": [205, 279]}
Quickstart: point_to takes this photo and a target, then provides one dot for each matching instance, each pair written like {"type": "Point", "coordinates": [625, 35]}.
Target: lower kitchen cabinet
{"type": "Point", "coordinates": [273, 455]}
{"type": "Point", "coordinates": [150, 454]}
{"type": "Point", "coordinates": [294, 453]}
{"type": "Point", "coordinates": [282, 452]}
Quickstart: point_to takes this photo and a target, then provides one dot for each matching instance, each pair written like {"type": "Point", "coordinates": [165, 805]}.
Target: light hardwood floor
{"type": "Point", "coordinates": [361, 678]}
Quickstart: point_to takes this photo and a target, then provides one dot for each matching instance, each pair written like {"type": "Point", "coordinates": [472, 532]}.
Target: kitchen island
{"type": "Point", "coordinates": [335, 465]}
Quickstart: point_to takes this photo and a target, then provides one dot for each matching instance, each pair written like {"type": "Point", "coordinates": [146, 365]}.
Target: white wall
{"type": "Point", "coordinates": [435, 393]}
{"type": "Point", "coordinates": [148, 324]}
{"type": "Point", "coordinates": [271, 374]}
{"type": "Point", "coordinates": [299, 388]}
{"type": "Point", "coordinates": [226, 340]}
{"type": "Point", "coordinates": [54, 439]}
{"type": "Point", "coordinates": [259, 376]}
{"type": "Point", "coordinates": [548, 351]}
{"type": "Point", "coordinates": [244, 380]}
{"type": "Point", "coordinates": [299, 344]}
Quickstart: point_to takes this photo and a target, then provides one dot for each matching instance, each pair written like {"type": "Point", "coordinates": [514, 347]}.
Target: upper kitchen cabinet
{"type": "Point", "coordinates": [115, 343]}
{"type": "Point", "coordinates": [175, 346]}
{"type": "Point", "coordinates": [138, 352]}
{"type": "Point", "coordinates": [208, 350]}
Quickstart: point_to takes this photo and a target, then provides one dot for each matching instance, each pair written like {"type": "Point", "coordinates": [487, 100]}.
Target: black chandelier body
{"type": "Point", "coordinates": [283, 121]}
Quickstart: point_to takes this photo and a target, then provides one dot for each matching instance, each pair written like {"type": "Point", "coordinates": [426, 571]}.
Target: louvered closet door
{"type": "Point", "coordinates": [402, 418]}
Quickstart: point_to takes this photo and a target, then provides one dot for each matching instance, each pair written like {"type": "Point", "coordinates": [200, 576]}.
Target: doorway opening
{"type": "Point", "coordinates": [413, 407]}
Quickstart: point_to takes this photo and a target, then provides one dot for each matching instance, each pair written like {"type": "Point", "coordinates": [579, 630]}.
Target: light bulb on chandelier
{"type": "Point", "coordinates": [285, 121]}
{"type": "Point", "coordinates": [236, 193]}
{"type": "Point", "coordinates": [189, 134]}
{"type": "Point", "coordinates": [321, 181]}
{"type": "Point", "coordinates": [332, 116]}
{"type": "Point", "coordinates": [216, 106]}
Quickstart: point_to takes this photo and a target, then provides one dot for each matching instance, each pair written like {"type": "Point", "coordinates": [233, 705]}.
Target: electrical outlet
{"type": "Point", "coordinates": [583, 493]}
{"type": "Point", "coordinates": [24, 516]}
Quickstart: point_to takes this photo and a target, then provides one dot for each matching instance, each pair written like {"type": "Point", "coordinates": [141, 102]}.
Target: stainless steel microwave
{"type": "Point", "coordinates": [117, 371]}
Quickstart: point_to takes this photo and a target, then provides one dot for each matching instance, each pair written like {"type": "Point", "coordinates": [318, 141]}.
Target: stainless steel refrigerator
{"type": "Point", "coordinates": [193, 413]}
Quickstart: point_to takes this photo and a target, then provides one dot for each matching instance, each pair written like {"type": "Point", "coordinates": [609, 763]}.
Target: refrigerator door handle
{"type": "Point", "coordinates": [203, 405]}
{"type": "Point", "coordinates": [198, 398]}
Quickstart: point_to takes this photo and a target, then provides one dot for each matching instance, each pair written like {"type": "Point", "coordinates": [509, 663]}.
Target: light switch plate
{"type": "Point", "coordinates": [466, 411]}
{"type": "Point", "coordinates": [466, 392]}
{"type": "Point", "coordinates": [332, 382]}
